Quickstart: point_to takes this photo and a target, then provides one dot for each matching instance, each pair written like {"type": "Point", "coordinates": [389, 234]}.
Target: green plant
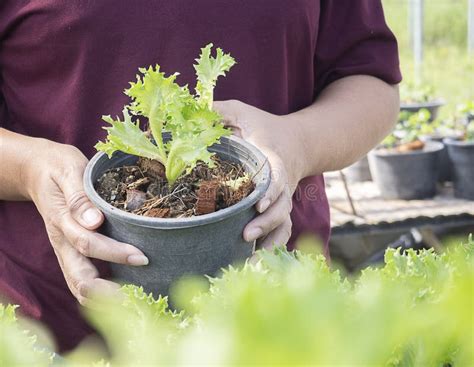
{"type": "Point", "coordinates": [464, 119]}
{"type": "Point", "coordinates": [18, 346]}
{"type": "Point", "coordinates": [410, 127]}
{"type": "Point", "coordinates": [171, 108]}
{"type": "Point", "coordinates": [292, 309]}
{"type": "Point", "coordinates": [466, 109]}
{"type": "Point", "coordinates": [469, 136]}
{"type": "Point", "coordinates": [411, 92]}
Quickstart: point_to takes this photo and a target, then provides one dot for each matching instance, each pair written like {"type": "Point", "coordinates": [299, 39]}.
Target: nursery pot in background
{"type": "Point", "coordinates": [461, 155]}
{"type": "Point", "coordinates": [177, 247]}
{"type": "Point", "coordinates": [359, 171]}
{"type": "Point", "coordinates": [432, 106]}
{"type": "Point", "coordinates": [445, 164]}
{"type": "Point", "coordinates": [411, 175]}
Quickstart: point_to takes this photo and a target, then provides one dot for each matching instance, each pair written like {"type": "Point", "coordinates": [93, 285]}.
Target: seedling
{"type": "Point", "coordinates": [416, 92]}
{"type": "Point", "coordinates": [469, 133]}
{"type": "Point", "coordinates": [189, 119]}
{"type": "Point", "coordinates": [466, 112]}
{"type": "Point", "coordinates": [410, 128]}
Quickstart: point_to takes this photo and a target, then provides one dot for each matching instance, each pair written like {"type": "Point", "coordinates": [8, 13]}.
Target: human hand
{"type": "Point", "coordinates": [53, 179]}
{"type": "Point", "coordinates": [278, 140]}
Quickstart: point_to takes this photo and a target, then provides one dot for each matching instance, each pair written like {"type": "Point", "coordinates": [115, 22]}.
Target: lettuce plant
{"type": "Point", "coordinates": [410, 128]}
{"type": "Point", "coordinates": [288, 308]}
{"type": "Point", "coordinates": [416, 92]}
{"type": "Point", "coordinates": [466, 112]}
{"type": "Point", "coordinates": [171, 108]}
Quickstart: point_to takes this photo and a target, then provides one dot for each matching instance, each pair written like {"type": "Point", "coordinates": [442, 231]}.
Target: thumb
{"type": "Point", "coordinates": [79, 205]}
{"type": "Point", "coordinates": [229, 112]}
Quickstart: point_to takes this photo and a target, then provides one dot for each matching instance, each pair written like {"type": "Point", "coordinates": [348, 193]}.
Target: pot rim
{"type": "Point", "coordinates": [455, 135]}
{"type": "Point", "coordinates": [171, 223]}
{"type": "Point", "coordinates": [437, 102]}
{"type": "Point", "coordinates": [458, 143]}
{"type": "Point", "coordinates": [433, 147]}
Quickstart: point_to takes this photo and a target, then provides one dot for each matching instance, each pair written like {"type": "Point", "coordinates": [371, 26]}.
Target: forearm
{"type": "Point", "coordinates": [15, 152]}
{"type": "Point", "coordinates": [348, 119]}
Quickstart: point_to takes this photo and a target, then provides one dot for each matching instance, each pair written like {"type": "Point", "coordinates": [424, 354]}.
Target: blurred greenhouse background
{"type": "Point", "coordinates": [436, 45]}
{"type": "Point", "coordinates": [447, 65]}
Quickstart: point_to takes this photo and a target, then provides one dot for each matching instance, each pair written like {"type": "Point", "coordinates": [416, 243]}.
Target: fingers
{"type": "Point", "coordinates": [98, 246]}
{"type": "Point", "coordinates": [82, 276]}
{"type": "Point", "coordinates": [84, 217]}
{"type": "Point", "coordinates": [278, 183]}
{"type": "Point", "coordinates": [76, 269]}
{"type": "Point", "coordinates": [79, 205]}
{"type": "Point", "coordinates": [279, 236]}
{"type": "Point", "coordinates": [269, 220]}
{"type": "Point", "coordinates": [93, 288]}
{"type": "Point", "coordinates": [229, 113]}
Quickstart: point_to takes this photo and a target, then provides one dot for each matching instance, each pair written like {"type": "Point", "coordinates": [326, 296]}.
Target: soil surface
{"type": "Point", "coordinates": [143, 190]}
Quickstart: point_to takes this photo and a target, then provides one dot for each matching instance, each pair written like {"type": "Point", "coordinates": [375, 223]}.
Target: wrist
{"type": "Point", "coordinates": [303, 162]}
{"type": "Point", "coordinates": [293, 137]}
{"type": "Point", "coordinates": [31, 164]}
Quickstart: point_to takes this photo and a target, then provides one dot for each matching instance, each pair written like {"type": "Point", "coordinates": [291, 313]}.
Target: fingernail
{"type": "Point", "coordinates": [81, 287]}
{"type": "Point", "coordinates": [264, 204]}
{"type": "Point", "coordinates": [253, 233]}
{"type": "Point", "coordinates": [91, 216]}
{"type": "Point", "coordinates": [137, 260]}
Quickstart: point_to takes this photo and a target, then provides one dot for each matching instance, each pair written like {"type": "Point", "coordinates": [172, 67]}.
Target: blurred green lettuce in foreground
{"type": "Point", "coordinates": [291, 308]}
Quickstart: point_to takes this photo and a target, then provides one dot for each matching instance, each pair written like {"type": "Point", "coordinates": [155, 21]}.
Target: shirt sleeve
{"type": "Point", "coordinates": [354, 39]}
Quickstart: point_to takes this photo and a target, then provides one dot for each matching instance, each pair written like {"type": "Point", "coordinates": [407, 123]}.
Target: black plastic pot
{"type": "Point", "coordinates": [432, 106]}
{"type": "Point", "coordinates": [445, 164]}
{"type": "Point", "coordinates": [359, 171]}
{"type": "Point", "coordinates": [461, 154]}
{"type": "Point", "coordinates": [407, 176]}
{"type": "Point", "coordinates": [177, 247]}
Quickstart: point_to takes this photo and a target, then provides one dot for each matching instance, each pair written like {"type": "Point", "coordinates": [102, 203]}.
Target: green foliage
{"type": "Point", "coordinates": [470, 131]}
{"type": "Point", "coordinates": [127, 137]}
{"type": "Point", "coordinates": [170, 108]}
{"type": "Point", "coordinates": [411, 92]}
{"type": "Point", "coordinates": [139, 329]}
{"type": "Point", "coordinates": [445, 22]}
{"type": "Point", "coordinates": [411, 127]}
{"type": "Point", "coordinates": [465, 118]}
{"type": "Point", "coordinates": [445, 60]}
{"type": "Point", "coordinates": [17, 346]}
{"type": "Point", "coordinates": [208, 69]}
{"type": "Point", "coordinates": [466, 109]}
{"type": "Point", "coordinates": [292, 309]}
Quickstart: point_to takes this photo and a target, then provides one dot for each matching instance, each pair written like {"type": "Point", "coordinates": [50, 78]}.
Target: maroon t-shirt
{"type": "Point", "coordinates": [65, 63]}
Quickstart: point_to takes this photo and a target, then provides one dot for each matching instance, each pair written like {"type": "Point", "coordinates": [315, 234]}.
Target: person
{"type": "Point", "coordinates": [314, 89]}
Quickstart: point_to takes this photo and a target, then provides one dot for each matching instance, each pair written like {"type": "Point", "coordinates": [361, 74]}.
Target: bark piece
{"type": "Point", "coordinates": [409, 147]}
{"type": "Point", "coordinates": [135, 199]}
{"type": "Point", "coordinates": [206, 197]}
{"type": "Point", "coordinates": [154, 168]}
{"type": "Point", "coordinates": [157, 213]}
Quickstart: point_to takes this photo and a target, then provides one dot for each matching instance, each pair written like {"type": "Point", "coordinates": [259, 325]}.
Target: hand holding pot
{"type": "Point", "coordinates": [279, 142]}
{"type": "Point", "coordinates": [54, 183]}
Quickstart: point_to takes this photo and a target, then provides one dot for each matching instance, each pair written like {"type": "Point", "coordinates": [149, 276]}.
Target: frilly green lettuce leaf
{"type": "Point", "coordinates": [186, 150]}
{"type": "Point", "coordinates": [126, 136]}
{"type": "Point", "coordinates": [158, 98]}
{"type": "Point", "coordinates": [208, 69]}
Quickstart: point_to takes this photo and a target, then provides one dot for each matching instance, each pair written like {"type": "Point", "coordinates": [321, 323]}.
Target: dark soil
{"type": "Point", "coordinates": [143, 190]}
